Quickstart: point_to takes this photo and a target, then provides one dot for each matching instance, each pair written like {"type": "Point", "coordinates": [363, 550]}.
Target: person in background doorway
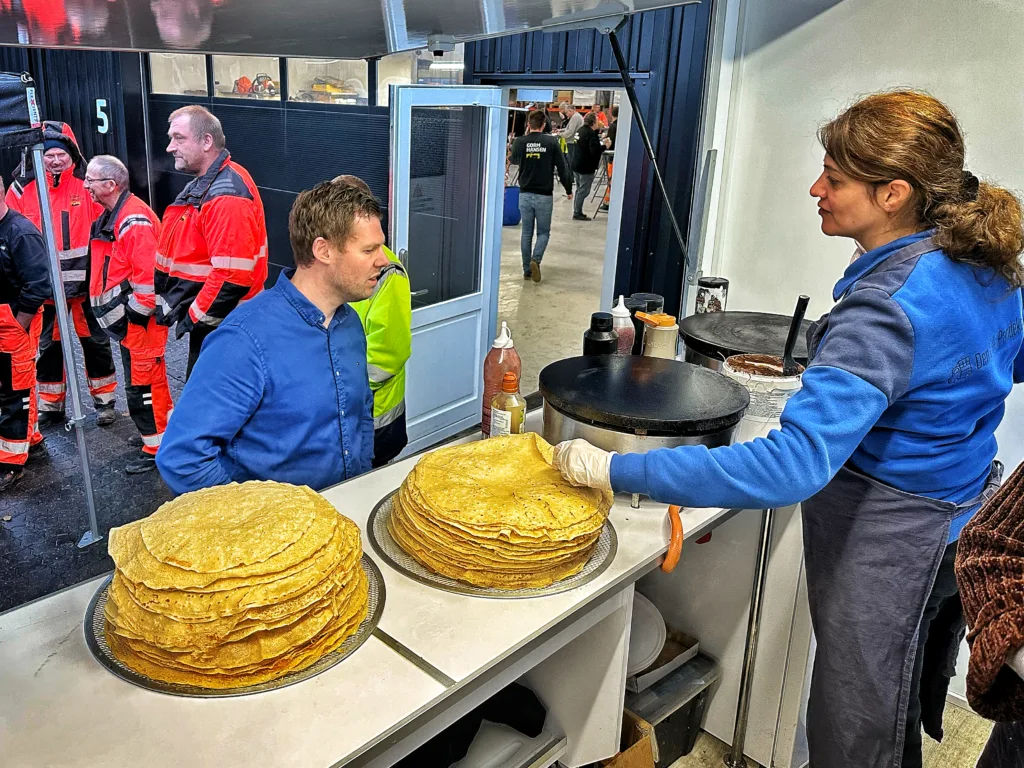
{"type": "Point", "coordinates": [281, 390]}
{"type": "Point", "coordinates": [889, 445]}
{"type": "Point", "coordinates": [123, 254]}
{"type": "Point", "coordinates": [609, 144]}
{"type": "Point", "coordinates": [387, 321]}
{"type": "Point", "coordinates": [516, 121]}
{"type": "Point", "coordinates": [73, 214]}
{"type": "Point", "coordinates": [24, 286]}
{"type": "Point", "coordinates": [602, 118]}
{"type": "Point", "coordinates": [539, 156]}
{"type": "Point", "coordinates": [584, 165]}
{"type": "Point", "coordinates": [990, 573]}
{"type": "Point", "coordinates": [572, 121]}
{"type": "Point", "coordinates": [212, 254]}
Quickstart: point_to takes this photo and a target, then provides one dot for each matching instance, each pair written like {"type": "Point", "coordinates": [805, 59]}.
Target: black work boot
{"type": "Point", "coordinates": [105, 415]}
{"type": "Point", "coordinates": [36, 452]}
{"type": "Point", "coordinates": [141, 464]}
{"type": "Point", "coordinates": [135, 441]}
{"type": "Point", "coordinates": [9, 477]}
{"type": "Point", "coordinates": [48, 418]}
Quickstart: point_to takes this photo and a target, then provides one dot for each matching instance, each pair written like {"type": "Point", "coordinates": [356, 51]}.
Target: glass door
{"type": "Point", "coordinates": [447, 186]}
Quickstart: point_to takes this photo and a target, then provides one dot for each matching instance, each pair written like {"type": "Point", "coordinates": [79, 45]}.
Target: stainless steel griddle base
{"type": "Point", "coordinates": [389, 550]}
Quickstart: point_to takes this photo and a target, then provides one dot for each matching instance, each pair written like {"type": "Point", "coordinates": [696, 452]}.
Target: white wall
{"type": "Point", "coordinates": [802, 61]}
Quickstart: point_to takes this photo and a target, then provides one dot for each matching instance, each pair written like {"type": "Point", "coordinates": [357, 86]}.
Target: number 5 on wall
{"type": "Point", "coordinates": [101, 115]}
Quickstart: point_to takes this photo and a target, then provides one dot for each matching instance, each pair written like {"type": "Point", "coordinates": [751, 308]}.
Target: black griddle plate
{"type": "Point", "coordinates": [627, 393]}
{"type": "Point", "coordinates": [719, 335]}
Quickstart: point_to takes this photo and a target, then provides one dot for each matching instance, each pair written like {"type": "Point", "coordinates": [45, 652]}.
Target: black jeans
{"type": "Point", "coordinates": [196, 337]}
{"type": "Point", "coordinates": [943, 610]}
{"type": "Point", "coordinates": [389, 441]}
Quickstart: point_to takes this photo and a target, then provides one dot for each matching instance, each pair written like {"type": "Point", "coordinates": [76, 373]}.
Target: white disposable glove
{"type": "Point", "coordinates": [582, 464]}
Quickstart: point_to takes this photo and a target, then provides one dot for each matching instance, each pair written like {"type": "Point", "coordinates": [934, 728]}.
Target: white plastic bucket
{"type": "Point", "coordinates": [769, 390]}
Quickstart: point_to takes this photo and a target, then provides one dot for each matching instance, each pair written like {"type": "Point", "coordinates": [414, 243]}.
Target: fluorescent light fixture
{"type": "Point", "coordinates": [449, 66]}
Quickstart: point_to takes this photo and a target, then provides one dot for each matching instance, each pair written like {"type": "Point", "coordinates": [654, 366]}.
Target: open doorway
{"type": "Point", "coordinates": [548, 318]}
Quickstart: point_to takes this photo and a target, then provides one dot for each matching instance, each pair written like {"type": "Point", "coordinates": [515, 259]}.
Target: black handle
{"type": "Point", "coordinates": [789, 365]}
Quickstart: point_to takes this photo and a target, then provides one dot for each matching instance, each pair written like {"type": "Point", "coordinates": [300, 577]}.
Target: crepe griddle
{"type": "Point", "coordinates": [719, 335]}
{"type": "Point", "coordinates": [643, 395]}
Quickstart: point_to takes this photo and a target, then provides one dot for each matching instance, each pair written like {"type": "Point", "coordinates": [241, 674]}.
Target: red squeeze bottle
{"type": "Point", "coordinates": [502, 359]}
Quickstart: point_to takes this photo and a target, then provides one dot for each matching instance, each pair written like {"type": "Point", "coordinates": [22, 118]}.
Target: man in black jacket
{"type": "Point", "coordinates": [24, 286]}
{"type": "Point", "coordinates": [538, 156]}
{"type": "Point", "coordinates": [584, 163]}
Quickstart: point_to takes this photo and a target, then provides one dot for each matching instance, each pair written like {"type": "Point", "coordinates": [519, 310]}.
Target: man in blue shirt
{"type": "Point", "coordinates": [281, 390]}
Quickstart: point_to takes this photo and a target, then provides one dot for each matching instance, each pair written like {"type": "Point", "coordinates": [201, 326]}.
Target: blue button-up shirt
{"type": "Point", "coordinates": [274, 396]}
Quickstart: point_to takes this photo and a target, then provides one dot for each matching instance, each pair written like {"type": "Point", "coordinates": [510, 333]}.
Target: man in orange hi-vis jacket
{"type": "Point", "coordinates": [73, 214]}
{"type": "Point", "coordinates": [212, 254]}
{"type": "Point", "coordinates": [123, 253]}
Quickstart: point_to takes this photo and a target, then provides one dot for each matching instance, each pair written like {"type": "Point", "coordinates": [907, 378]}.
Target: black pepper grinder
{"type": "Point", "coordinates": [601, 339]}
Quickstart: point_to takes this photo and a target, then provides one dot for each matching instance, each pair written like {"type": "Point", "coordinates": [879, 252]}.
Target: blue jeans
{"type": "Point", "coordinates": [534, 208]}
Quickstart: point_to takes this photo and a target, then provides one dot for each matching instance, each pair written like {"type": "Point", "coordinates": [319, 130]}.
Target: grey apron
{"type": "Point", "coordinates": [872, 553]}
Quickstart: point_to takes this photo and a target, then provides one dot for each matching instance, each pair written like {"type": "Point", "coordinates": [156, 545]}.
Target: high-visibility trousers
{"type": "Point", "coordinates": [17, 387]}
{"type": "Point", "coordinates": [149, 395]}
{"type": "Point", "coordinates": [99, 359]}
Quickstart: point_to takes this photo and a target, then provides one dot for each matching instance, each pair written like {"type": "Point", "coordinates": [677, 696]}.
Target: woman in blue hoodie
{"type": "Point", "coordinates": [890, 444]}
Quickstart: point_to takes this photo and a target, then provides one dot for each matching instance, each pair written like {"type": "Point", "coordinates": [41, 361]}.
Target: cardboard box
{"type": "Point", "coordinates": [639, 748]}
{"type": "Point", "coordinates": [679, 649]}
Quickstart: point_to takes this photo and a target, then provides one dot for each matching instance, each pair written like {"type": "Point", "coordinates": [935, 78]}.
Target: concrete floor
{"type": "Point", "coordinates": [965, 737]}
{"type": "Point", "coordinates": [548, 319]}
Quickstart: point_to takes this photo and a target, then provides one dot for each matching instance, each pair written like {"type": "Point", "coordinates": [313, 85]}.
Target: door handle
{"type": "Point", "coordinates": [423, 292]}
{"type": "Point", "coordinates": [403, 258]}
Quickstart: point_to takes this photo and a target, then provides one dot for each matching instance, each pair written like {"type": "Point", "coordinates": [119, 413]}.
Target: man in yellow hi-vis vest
{"type": "Point", "coordinates": [387, 321]}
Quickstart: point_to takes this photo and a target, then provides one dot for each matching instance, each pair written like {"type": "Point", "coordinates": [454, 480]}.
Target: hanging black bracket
{"type": "Point", "coordinates": [627, 83]}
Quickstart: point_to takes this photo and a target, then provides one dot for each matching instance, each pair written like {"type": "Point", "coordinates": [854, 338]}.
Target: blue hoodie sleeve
{"type": "Point", "coordinates": [863, 364]}
{"type": "Point", "coordinates": [224, 390]}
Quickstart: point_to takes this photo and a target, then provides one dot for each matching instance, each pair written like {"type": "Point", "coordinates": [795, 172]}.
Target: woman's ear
{"type": "Point", "coordinates": [895, 196]}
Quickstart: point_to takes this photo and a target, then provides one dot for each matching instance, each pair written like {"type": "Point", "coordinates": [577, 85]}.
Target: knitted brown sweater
{"type": "Point", "coordinates": [990, 572]}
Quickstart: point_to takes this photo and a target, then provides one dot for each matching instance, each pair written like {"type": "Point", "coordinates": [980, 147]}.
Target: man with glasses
{"type": "Point", "coordinates": [73, 214]}
{"type": "Point", "coordinates": [123, 253]}
{"type": "Point", "coordinates": [281, 391]}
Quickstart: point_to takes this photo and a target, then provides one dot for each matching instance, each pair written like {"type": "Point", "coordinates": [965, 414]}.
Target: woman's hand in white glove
{"type": "Point", "coordinates": [582, 464]}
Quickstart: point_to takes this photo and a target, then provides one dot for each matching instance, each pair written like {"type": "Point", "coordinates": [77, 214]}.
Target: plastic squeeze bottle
{"type": "Point", "coordinates": [622, 324]}
{"type": "Point", "coordinates": [508, 409]}
{"type": "Point", "coordinates": [502, 359]}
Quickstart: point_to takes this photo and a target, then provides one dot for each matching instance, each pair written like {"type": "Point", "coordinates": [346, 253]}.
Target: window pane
{"type": "Point", "coordinates": [419, 67]}
{"type": "Point", "coordinates": [178, 73]}
{"type": "Point", "coordinates": [329, 81]}
{"type": "Point", "coordinates": [247, 77]}
{"type": "Point", "coordinates": [446, 202]}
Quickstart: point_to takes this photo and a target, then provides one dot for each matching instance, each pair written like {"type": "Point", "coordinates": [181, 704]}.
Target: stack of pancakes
{"type": "Point", "coordinates": [234, 585]}
{"type": "Point", "coordinates": [495, 513]}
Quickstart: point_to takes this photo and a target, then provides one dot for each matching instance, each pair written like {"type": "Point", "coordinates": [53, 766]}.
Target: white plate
{"type": "Point", "coordinates": [647, 635]}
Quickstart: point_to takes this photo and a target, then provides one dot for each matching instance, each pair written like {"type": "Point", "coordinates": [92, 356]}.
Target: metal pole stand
{"type": "Point", "coordinates": [739, 736]}
{"type": "Point", "coordinates": [77, 420]}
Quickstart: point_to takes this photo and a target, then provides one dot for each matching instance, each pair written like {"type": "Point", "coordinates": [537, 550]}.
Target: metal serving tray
{"type": "Point", "coordinates": [389, 550]}
{"type": "Point", "coordinates": [95, 638]}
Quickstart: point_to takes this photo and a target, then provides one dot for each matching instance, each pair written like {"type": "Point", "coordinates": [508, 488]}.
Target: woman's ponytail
{"type": "Point", "coordinates": [986, 231]}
